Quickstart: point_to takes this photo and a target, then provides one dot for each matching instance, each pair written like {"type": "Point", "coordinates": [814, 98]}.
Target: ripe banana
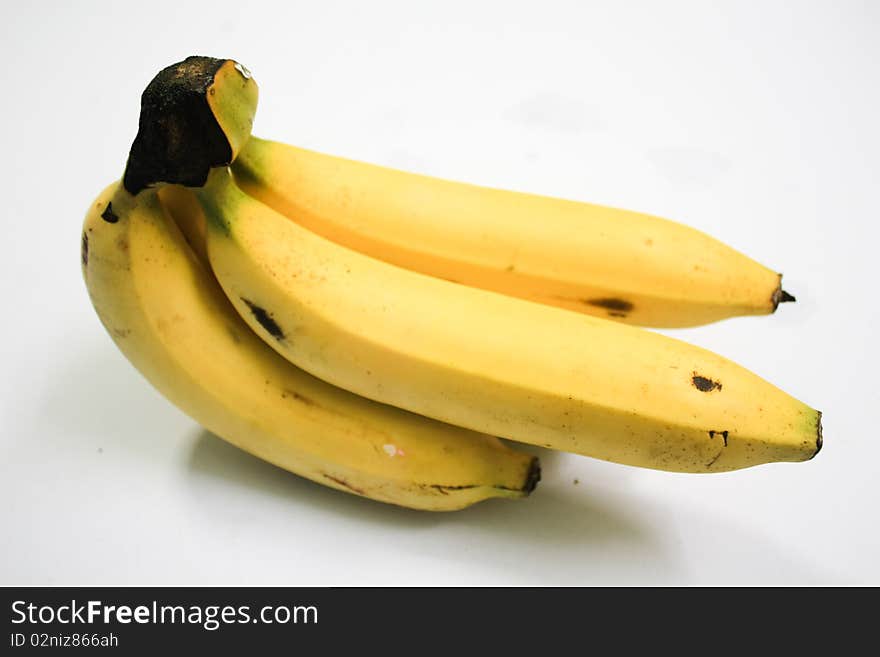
{"type": "Point", "coordinates": [490, 362]}
{"type": "Point", "coordinates": [167, 314]}
{"type": "Point", "coordinates": [627, 266]}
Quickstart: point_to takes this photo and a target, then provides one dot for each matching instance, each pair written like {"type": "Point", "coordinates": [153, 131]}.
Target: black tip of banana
{"type": "Point", "coordinates": [781, 296]}
{"type": "Point", "coordinates": [818, 433]}
{"type": "Point", "coordinates": [533, 476]}
{"type": "Point", "coordinates": [180, 135]}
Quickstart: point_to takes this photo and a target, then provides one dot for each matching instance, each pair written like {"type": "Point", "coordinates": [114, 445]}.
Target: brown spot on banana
{"type": "Point", "coordinates": [717, 456]}
{"type": "Point", "coordinates": [293, 394]}
{"type": "Point", "coordinates": [443, 489]}
{"type": "Point", "coordinates": [723, 435]}
{"type": "Point", "coordinates": [108, 215]}
{"type": "Point", "coordinates": [84, 250]}
{"type": "Point", "coordinates": [612, 305]}
{"type": "Point", "coordinates": [344, 484]}
{"type": "Point", "coordinates": [705, 384]}
{"type": "Point", "coordinates": [265, 319]}
{"type": "Point", "coordinates": [616, 307]}
{"type": "Point", "coordinates": [533, 476]}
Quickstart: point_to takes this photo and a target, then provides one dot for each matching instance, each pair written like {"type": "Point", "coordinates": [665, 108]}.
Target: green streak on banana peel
{"type": "Point", "coordinates": [195, 115]}
{"type": "Point", "coordinates": [219, 198]}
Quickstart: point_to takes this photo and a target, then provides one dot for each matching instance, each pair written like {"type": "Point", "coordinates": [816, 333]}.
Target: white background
{"type": "Point", "coordinates": [755, 122]}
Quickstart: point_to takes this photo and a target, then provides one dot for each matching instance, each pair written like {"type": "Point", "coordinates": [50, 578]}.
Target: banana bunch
{"type": "Point", "coordinates": [145, 266]}
{"type": "Point", "coordinates": [375, 330]}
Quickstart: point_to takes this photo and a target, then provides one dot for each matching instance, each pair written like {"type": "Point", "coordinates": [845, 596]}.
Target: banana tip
{"type": "Point", "coordinates": [781, 296]}
{"type": "Point", "coordinates": [818, 433]}
{"type": "Point", "coordinates": [533, 476]}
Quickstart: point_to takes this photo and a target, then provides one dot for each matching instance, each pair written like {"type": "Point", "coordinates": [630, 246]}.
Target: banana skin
{"type": "Point", "coordinates": [618, 264]}
{"type": "Point", "coordinates": [166, 313]}
{"type": "Point", "coordinates": [490, 362]}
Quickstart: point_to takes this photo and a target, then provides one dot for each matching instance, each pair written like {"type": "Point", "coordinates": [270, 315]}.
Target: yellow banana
{"type": "Point", "coordinates": [490, 362]}
{"type": "Point", "coordinates": [167, 314]}
{"type": "Point", "coordinates": [623, 265]}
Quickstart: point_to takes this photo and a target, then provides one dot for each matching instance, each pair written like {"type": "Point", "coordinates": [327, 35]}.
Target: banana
{"type": "Point", "coordinates": [166, 313]}
{"type": "Point", "coordinates": [626, 266]}
{"type": "Point", "coordinates": [490, 362]}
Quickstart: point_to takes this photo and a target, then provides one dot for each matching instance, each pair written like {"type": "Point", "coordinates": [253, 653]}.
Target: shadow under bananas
{"type": "Point", "coordinates": [558, 521]}
{"type": "Point", "coordinates": [93, 399]}
{"type": "Point", "coordinates": [92, 403]}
